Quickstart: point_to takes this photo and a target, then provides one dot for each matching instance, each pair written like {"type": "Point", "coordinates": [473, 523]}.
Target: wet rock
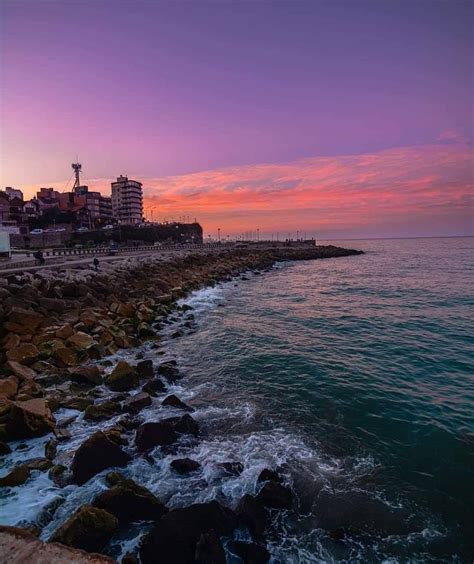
{"type": "Point", "coordinates": [15, 477]}
{"type": "Point", "coordinates": [185, 465]}
{"type": "Point", "coordinates": [31, 418]}
{"type": "Point", "coordinates": [145, 369]}
{"type": "Point", "coordinates": [250, 552]}
{"type": "Point", "coordinates": [86, 375]}
{"type": "Point", "coordinates": [176, 535]}
{"type": "Point", "coordinates": [39, 463]}
{"type": "Point", "coordinates": [154, 387]}
{"type": "Point", "coordinates": [62, 434]}
{"type": "Point", "coordinates": [269, 475]}
{"type": "Point", "coordinates": [130, 502]}
{"type": "Point", "coordinates": [254, 516]}
{"type": "Point", "coordinates": [169, 370]}
{"type": "Point", "coordinates": [4, 449]}
{"type": "Point", "coordinates": [174, 401]}
{"type": "Point", "coordinates": [22, 546]}
{"type": "Point", "coordinates": [209, 549]}
{"type": "Point", "coordinates": [338, 534]}
{"type": "Point", "coordinates": [8, 386]}
{"type": "Point", "coordinates": [232, 468]}
{"type": "Point", "coordinates": [50, 449]}
{"type": "Point", "coordinates": [79, 403]}
{"type": "Point", "coordinates": [145, 330]}
{"type": "Point", "coordinates": [58, 474]}
{"type": "Point", "coordinates": [65, 357]}
{"type": "Point", "coordinates": [275, 495]}
{"type": "Point", "coordinates": [89, 529]}
{"type": "Point", "coordinates": [96, 454]}
{"type": "Point", "coordinates": [165, 432]}
{"type": "Point", "coordinates": [123, 377]}
{"type": "Point", "coordinates": [129, 558]}
{"type": "Point", "coordinates": [101, 411]}
{"type": "Point", "coordinates": [21, 372]}
{"type": "Point", "coordinates": [137, 402]}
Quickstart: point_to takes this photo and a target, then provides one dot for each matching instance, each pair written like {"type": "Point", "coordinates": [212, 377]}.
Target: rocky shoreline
{"type": "Point", "coordinates": [59, 332]}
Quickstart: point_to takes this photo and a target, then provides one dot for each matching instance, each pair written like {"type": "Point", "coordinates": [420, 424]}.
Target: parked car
{"type": "Point", "coordinates": [106, 227]}
{"type": "Point", "coordinates": [36, 232]}
{"type": "Point", "coordinates": [60, 229]}
{"type": "Point", "coordinates": [82, 229]}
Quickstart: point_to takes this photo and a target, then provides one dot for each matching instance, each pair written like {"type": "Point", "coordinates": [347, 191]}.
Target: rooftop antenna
{"type": "Point", "coordinates": [77, 167]}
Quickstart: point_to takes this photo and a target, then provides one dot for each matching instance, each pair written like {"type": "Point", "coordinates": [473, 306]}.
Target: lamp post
{"type": "Point", "coordinates": [219, 234]}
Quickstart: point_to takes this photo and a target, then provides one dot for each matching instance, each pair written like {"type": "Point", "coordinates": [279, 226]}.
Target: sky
{"type": "Point", "coordinates": [330, 117]}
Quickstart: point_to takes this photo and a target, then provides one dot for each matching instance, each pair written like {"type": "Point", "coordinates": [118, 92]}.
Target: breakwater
{"type": "Point", "coordinates": [65, 336]}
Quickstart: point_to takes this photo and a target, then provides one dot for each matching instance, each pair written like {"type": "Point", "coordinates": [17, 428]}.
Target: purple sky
{"type": "Point", "coordinates": [155, 89]}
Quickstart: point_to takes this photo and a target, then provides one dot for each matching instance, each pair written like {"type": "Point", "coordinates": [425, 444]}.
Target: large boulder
{"type": "Point", "coordinates": [25, 317]}
{"type": "Point", "coordinates": [137, 402]}
{"type": "Point", "coordinates": [95, 454]}
{"type": "Point", "coordinates": [17, 476]}
{"type": "Point", "coordinates": [169, 370]}
{"type": "Point", "coordinates": [154, 387]}
{"type": "Point", "coordinates": [253, 515]}
{"type": "Point", "coordinates": [8, 386]}
{"type": "Point", "coordinates": [24, 353]}
{"type": "Point", "coordinates": [80, 340]}
{"type": "Point", "coordinates": [130, 502]}
{"type": "Point", "coordinates": [185, 465]}
{"type": "Point", "coordinates": [209, 549]}
{"type": "Point", "coordinates": [20, 371]}
{"type": "Point", "coordinates": [176, 535]}
{"type": "Point", "coordinates": [90, 528]}
{"type": "Point", "coordinates": [18, 546]}
{"type": "Point", "coordinates": [31, 418]}
{"type": "Point", "coordinates": [165, 432]}
{"type": "Point", "coordinates": [101, 411]}
{"type": "Point", "coordinates": [86, 375]}
{"type": "Point", "coordinates": [123, 377]}
{"type": "Point", "coordinates": [145, 369]}
{"type": "Point", "coordinates": [275, 495]}
{"type": "Point", "coordinates": [174, 401]}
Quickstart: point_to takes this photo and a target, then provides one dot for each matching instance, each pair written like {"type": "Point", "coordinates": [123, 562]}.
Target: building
{"type": "Point", "coordinates": [13, 193]}
{"type": "Point", "coordinates": [127, 201]}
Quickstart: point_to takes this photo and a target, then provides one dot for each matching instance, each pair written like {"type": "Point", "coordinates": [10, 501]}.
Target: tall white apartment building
{"type": "Point", "coordinates": [127, 201]}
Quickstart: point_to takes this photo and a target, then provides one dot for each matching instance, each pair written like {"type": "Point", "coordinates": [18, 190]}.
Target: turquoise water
{"type": "Point", "coordinates": [364, 364]}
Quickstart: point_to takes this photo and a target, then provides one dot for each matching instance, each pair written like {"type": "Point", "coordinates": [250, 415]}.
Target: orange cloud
{"type": "Point", "coordinates": [423, 190]}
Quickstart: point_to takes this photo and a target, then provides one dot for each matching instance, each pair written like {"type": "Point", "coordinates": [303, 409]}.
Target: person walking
{"type": "Point", "coordinates": [96, 263]}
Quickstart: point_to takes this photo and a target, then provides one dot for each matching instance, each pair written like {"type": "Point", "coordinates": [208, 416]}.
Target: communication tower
{"type": "Point", "coordinates": [77, 167]}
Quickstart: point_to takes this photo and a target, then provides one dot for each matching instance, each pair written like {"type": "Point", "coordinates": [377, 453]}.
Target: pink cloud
{"type": "Point", "coordinates": [423, 190]}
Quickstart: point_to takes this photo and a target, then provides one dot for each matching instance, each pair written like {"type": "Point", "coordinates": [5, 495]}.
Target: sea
{"type": "Point", "coordinates": [353, 377]}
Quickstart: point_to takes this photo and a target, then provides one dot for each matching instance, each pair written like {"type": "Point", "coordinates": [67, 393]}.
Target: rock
{"type": "Point", "coordinates": [123, 377]}
{"type": "Point", "coordinates": [25, 353]}
{"type": "Point", "coordinates": [254, 516]}
{"type": "Point", "coordinates": [80, 340]}
{"type": "Point", "coordinates": [129, 558]}
{"type": "Point", "coordinates": [53, 304]}
{"type": "Point", "coordinates": [145, 369]}
{"type": "Point", "coordinates": [15, 477]}
{"type": "Point", "coordinates": [58, 475]}
{"type": "Point", "coordinates": [18, 546]}
{"type": "Point", "coordinates": [169, 370]}
{"type": "Point", "coordinates": [232, 468]}
{"type": "Point", "coordinates": [154, 387]}
{"type": "Point", "coordinates": [50, 449]}
{"type": "Point", "coordinates": [4, 449]}
{"type": "Point", "coordinates": [25, 317]}
{"type": "Point", "coordinates": [89, 528]}
{"type": "Point", "coordinates": [250, 553]}
{"type": "Point", "coordinates": [96, 454]}
{"type": "Point", "coordinates": [137, 402]}
{"type": "Point", "coordinates": [145, 330]}
{"type": "Point", "coordinates": [62, 434]}
{"type": "Point", "coordinates": [39, 463]}
{"type": "Point", "coordinates": [165, 432]}
{"type": "Point", "coordinates": [79, 403]}
{"type": "Point", "coordinates": [174, 401]}
{"type": "Point", "coordinates": [65, 357]}
{"type": "Point", "coordinates": [101, 411]}
{"type": "Point", "coordinates": [8, 386]}
{"type": "Point", "coordinates": [176, 535]}
{"type": "Point", "coordinates": [65, 331]}
{"type": "Point", "coordinates": [275, 495]}
{"type": "Point", "coordinates": [209, 549]}
{"type": "Point", "coordinates": [86, 375]}
{"type": "Point", "coordinates": [269, 475]}
{"type": "Point", "coordinates": [185, 465]}
{"type": "Point", "coordinates": [31, 418]}
{"type": "Point", "coordinates": [20, 371]}
{"type": "Point", "coordinates": [130, 502]}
